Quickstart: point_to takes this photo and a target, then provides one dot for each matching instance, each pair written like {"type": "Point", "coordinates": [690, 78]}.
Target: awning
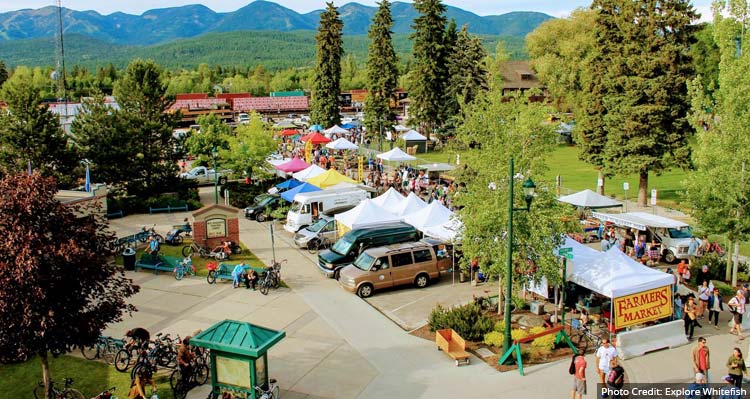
{"type": "Point", "coordinates": [639, 220]}
{"type": "Point", "coordinates": [295, 165]}
{"type": "Point", "coordinates": [329, 178]}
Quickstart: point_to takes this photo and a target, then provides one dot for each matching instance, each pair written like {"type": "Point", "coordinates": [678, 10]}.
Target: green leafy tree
{"type": "Point", "coordinates": [645, 48]}
{"type": "Point", "coordinates": [382, 72]}
{"type": "Point", "coordinates": [141, 95]}
{"type": "Point", "coordinates": [249, 147]}
{"type": "Point", "coordinates": [324, 109]}
{"type": "Point", "coordinates": [706, 57]}
{"type": "Point", "coordinates": [31, 133]}
{"type": "Point", "coordinates": [213, 133]}
{"type": "Point", "coordinates": [429, 75]}
{"type": "Point", "coordinates": [58, 286]}
{"type": "Point", "coordinates": [718, 188]}
{"type": "Point", "coordinates": [510, 126]}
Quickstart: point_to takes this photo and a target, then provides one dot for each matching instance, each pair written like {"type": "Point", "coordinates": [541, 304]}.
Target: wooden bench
{"type": "Point", "coordinates": [157, 263]}
{"type": "Point", "coordinates": [451, 343]}
{"type": "Point", "coordinates": [168, 208]}
{"type": "Point", "coordinates": [224, 271]}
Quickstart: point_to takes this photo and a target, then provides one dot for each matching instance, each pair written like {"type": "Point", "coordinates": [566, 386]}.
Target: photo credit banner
{"type": "Point", "coordinates": [642, 307]}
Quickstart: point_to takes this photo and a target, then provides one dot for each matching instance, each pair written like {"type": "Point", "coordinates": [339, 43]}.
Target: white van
{"type": "Point", "coordinates": [673, 235]}
{"type": "Point", "coordinates": [307, 207]}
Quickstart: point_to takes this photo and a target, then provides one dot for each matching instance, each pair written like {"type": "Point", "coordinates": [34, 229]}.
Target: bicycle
{"type": "Point", "coordinates": [199, 376]}
{"type": "Point", "coordinates": [183, 268]}
{"type": "Point", "coordinates": [189, 250]}
{"type": "Point", "coordinates": [584, 338]}
{"type": "Point", "coordinates": [54, 393]}
{"type": "Point", "coordinates": [271, 278]}
{"type": "Point", "coordinates": [273, 391]}
{"type": "Point", "coordinates": [317, 244]}
{"type": "Point", "coordinates": [104, 348]}
{"type": "Point", "coordinates": [106, 394]}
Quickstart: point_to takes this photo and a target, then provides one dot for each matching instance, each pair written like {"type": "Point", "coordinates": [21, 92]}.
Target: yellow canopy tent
{"type": "Point", "coordinates": [329, 178]}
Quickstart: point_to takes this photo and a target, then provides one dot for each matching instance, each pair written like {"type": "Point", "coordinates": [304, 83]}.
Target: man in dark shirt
{"type": "Point", "coordinates": [185, 360]}
{"type": "Point", "coordinates": [138, 336]}
{"type": "Point", "coordinates": [703, 275]}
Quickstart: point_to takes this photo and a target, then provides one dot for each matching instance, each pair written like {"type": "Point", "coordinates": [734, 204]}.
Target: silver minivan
{"type": "Point", "coordinates": [320, 234]}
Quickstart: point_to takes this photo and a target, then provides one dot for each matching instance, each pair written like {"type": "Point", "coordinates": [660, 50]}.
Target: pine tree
{"type": "Point", "coordinates": [324, 109]}
{"type": "Point", "coordinates": [382, 72]}
{"type": "Point", "coordinates": [429, 72]}
{"type": "Point", "coordinates": [3, 73]}
{"type": "Point", "coordinates": [467, 67]}
{"type": "Point", "coordinates": [645, 46]}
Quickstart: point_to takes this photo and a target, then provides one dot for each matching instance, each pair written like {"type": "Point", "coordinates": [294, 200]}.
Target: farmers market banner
{"type": "Point", "coordinates": [642, 307]}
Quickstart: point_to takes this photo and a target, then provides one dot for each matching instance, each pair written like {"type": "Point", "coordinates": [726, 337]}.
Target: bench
{"type": "Point", "coordinates": [168, 208]}
{"type": "Point", "coordinates": [451, 343]}
{"type": "Point", "coordinates": [224, 271]}
{"type": "Point", "coordinates": [116, 214]}
{"type": "Point", "coordinates": [157, 263]}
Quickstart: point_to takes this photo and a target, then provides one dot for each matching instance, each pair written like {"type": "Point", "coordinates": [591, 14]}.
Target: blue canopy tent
{"type": "Point", "coordinates": [289, 184]}
{"type": "Point", "coordinates": [303, 188]}
{"type": "Point", "coordinates": [316, 128]}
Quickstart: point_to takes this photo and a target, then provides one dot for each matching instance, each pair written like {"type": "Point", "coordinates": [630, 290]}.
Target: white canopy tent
{"type": "Point", "coordinates": [412, 203]}
{"type": "Point", "coordinates": [308, 173]}
{"type": "Point", "coordinates": [396, 155]}
{"type": "Point", "coordinates": [367, 213]}
{"type": "Point", "coordinates": [413, 135]}
{"type": "Point", "coordinates": [401, 128]}
{"type": "Point", "coordinates": [612, 273]}
{"type": "Point", "coordinates": [432, 215]}
{"type": "Point", "coordinates": [448, 231]}
{"type": "Point", "coordinates": [590, 199]}
{"type": "Point", "coordinates": [342, 144]}
{"type": "Point", "coordinates": [390, 199]}
{"type": "Point", "coordinates": [640, 220]}
{"type": "Point", "coordinates": [335, 129]}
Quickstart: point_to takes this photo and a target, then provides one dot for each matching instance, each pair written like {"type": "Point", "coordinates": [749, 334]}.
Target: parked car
{"type": "Point", "coordinates": [263, 205]}
{"type": "Point", "coordinates": [350, 245]}
{"type": "Point", "coordinates": [390, 266]}
{"type": "Point", "coordinates": [202, 174]}
{"type": "Point", "coordinates": [323, 230]}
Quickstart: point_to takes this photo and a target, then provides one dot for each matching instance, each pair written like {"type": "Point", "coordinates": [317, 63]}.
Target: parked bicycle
{"type": "Point", "coordinates": [317, 244]}
{"type": "Point", "coordinates": [181, 386]}
{"type": "Point", "coordinates": [219, 253]}
{"type": "Point", "coordinates": [104, 348]}
{"type": "Point", "coordinates": [273, 391]}
{"type": "Point", "coordinates": [271, 278]}
{"type": "Point", "coordinates": [65, 393]}
{"type": "Point", "coordinates": [106, 394]}
{"type": "Point", "coordinates": [150, 232]}
{"type": "Point", "coordinates": [583, 337]}
{"type": "Point", "coordinates": [183, 268]}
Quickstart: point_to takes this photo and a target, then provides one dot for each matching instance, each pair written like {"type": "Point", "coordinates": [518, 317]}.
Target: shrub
{"type": "Point", "coordinates": [743, 277]}
{"type": "Point", "coordinates": [545, 342]}
{"type": "Point", "coordinates": [725, 289]}
{"type": "Point", "coordinates": [468, 321]}
{"type": "Point", "coordinates": [241, 195]}
{"type": "Point", "coordinates": [716, 266]}
{"type": "Point", "coordinates": [517, 333]}
{"type": "Point", "coordinates": [494, 338]}
{"type": "Point", "coordinates": [280, 212]}
{"type": "Point", "coordinates": [500, 326]}
{"type": "Point", "coordinates": [519, 303]}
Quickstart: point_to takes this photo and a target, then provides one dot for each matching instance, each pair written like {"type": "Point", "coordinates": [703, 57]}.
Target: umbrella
{"type": "Point", "coordinates": [295, 165]}
{"type": "Point", "coordinates": [289, 132]}
{"type": "Point", "coordinates": [396, 155]}
{"type": "Point", "coordinates": [342, 144]}
{"type": "Point", "coordinates": [309, 173]}
{"type": "Point", "coordinates": [336, 129]}
{"type": "Point", "coordinates": [303, 188]}
{"type": "Point", "coordinates": [316, 138]}
{"type": "Point", "coordinates": [316, 128]}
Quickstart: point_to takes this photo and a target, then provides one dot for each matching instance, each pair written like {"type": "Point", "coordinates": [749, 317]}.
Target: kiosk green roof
{"type": "Point", "coordinates": [238, 337]}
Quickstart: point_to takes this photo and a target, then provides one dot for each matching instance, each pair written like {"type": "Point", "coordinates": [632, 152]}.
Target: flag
{"type": "Point", "coordinates": [88, 179]}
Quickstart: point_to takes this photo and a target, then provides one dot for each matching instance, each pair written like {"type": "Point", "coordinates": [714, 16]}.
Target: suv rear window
{"type": "Point", "coordinates": [423, 255]}
{"type": "Point", "coordinates": [401, 259]}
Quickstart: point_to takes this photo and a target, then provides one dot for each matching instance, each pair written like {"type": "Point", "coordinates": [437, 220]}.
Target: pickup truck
{"type": "Point", "coordinates": [201, 174]}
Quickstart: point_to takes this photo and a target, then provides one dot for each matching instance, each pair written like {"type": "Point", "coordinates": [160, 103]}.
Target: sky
{"type": "Point", "coordinates": [557, 8]}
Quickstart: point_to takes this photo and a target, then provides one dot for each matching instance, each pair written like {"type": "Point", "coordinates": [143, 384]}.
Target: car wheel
{"type": "Point", "coordinates": [222, 180]}
{"type": "Point", "coordinates": [422, 281]}
{"type": "Point", "coordinates": [364, 291]}
{"type": "Point", "coordinates": [177, 240]}
{"type": "Point", "coordinates": [260, 218]}
{"type": "Point", "coordinates": [669, 257]}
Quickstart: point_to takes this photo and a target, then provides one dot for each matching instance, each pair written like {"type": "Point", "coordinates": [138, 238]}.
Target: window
{"type": "Point", "coordinates": [382, 263]}
{"type": "Point", "coordinates": [423, 255]}
{"type": "Point", "coordinates": [401, 259]}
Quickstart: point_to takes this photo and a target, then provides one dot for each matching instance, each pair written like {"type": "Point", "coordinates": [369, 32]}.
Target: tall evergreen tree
{"type": "Point", "coordinates": [429, 72]}
{"type": "Point", "coordinates": [141, 95]}
{"type": "Point", "coordinates": [645, 45]}
{"type": "Point", "coordinates": [324, 109]}
{"type": "Point", "coordinates": [31, 133]}
{"type": "Point", "coordinates": [3, 73]}
{"type": "Point", "coordinates": [467, 67]}
{"type": "Point", "coordinates": [382, 71]}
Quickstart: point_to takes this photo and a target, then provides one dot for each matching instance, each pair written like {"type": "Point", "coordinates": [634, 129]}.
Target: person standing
{"type": "Point", "coordinates": [714, 307]}
{"type": "Point", "coordinates": [737, 306]}
{"type": "Point", "coordinates": [605, 243]}
{"type": "Point", "coordinates": [237, 274]}
{"type": "Point", "coordinates": [736, 366]}
{"type": "Point", "coordinates": [579, 377]}
{"type": "Point", "coordinates": [678, 306]}
{"type": "Point", "coordinates": [692, 251]}
{"type": "Point", "coordinates": [616, 378]}
{"type": "Point", "coordinates": [604, 356]}
{"type": "Point", "coordinates": [701, 358]}
{"type": "Point", "coordinates": [704, 292]}
{"type": "Point", "coordinates": [690, 317]}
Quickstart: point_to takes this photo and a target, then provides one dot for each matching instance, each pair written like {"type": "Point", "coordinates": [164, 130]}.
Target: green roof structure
{"type": "Point", "coordinates": [238, 337]}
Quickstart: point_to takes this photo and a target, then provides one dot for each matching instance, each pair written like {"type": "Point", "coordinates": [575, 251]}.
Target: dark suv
{"type": "Point", "coordinates": [262, 207]}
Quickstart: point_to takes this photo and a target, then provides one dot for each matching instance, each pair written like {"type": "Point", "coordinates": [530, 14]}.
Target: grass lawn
{"type": "Point", "coordinates": [89, 376]}
{"type": "Point", "coordinates": [198, 262]}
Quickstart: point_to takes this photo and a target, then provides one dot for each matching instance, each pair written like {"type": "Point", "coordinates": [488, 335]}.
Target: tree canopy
{"type": "Point", "coordinates": [249, 147]}
{"type": "Point", "coordinates": [213, 133]}
{"type": "Point", "coordinates": [324, 109]}
{"type": "Point", "coordinates": [382, 71]}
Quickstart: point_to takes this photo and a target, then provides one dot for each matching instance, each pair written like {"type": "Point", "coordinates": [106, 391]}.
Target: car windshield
{"type": "Point", "coordinates": [364, 261]}
{"type": "Point", "coordinates": [266, 201]}
{"type": "Point", "coordinates": [318, 225]}
{"type": "Point", "coordinates": [295, 207]}
{"type": "Point", "coordinates": [261, 198]}
{"type": "Point", "coordinates": [342, 246]}
{"type": "Point", "coordinates": [683, 232]}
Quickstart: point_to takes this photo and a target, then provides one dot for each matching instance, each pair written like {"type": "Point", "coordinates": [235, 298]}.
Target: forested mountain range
{"type": "Point", "coordinates": [168, 24]}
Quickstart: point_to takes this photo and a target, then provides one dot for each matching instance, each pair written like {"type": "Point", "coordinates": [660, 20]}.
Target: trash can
{"type": "Point", "coordinates": [128, 258]}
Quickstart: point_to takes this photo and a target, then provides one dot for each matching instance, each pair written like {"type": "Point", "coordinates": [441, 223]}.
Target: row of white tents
{"type": "Point", "coordinates": [434, 219]}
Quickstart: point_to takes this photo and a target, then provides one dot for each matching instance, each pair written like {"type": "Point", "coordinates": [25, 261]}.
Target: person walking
{"type": "Point", "coordinates": [697, 389]}
{"type": "Point", "coordinates": [678, 306]}
{"type": "Point", "coordinates": [604, 356]}
{"type": "Point", "coordinates": [715, 306]}
{"type": "Point", "coordinates": [692, 250]}
{"type": "Point", "coordinates": [737, 306]}
{"type": "Point", "coordinates": [690, 317]}
{"type": "Point", "coordinates": [579, 377]}
{"type": "Point", "coordinates": [616, 378]}
{"type": "Point", "coordinates": [701, 358]}
{"type": "Point", "coordinates": [736, 366]}
{"type": "Point", "coordinates": [704, 292]}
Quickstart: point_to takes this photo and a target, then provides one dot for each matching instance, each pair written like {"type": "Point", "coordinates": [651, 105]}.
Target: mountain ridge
{"type": "Point", "coordinates": [164, 25]}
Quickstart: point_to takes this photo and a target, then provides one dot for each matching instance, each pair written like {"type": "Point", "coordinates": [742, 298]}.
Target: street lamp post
{"type": "Point", "coordinates": [528, 191]}
{"type": "Point", "coordinates": [215, 153]}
